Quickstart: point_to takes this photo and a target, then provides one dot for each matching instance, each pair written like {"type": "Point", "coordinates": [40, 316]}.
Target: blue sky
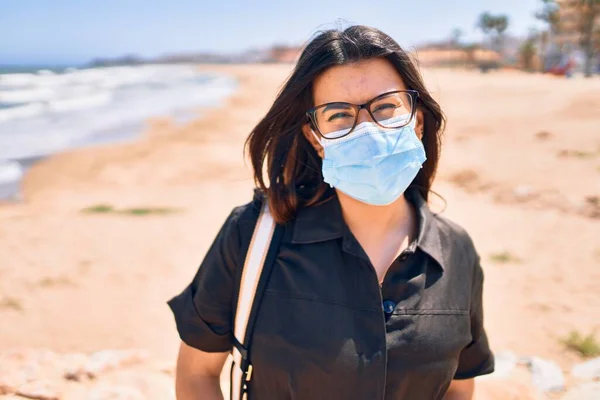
{"type": "Point", "coordinates": [75, 31]}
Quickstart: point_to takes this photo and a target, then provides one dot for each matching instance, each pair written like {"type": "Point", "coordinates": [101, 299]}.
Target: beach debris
{"type": "Point", "coordinates": [38, 390]}
{"type": "Point", "coordinates": [11, 303]}
{"type": "Point", "coordinates": [570, 153]}
{"type": "Point", "coordinates": [586, 391]}
{"type": "Point", "coordinates": [105, 392]}
{"type": "Point", "coordinates": [467, 179]}
{"type": "Point", "coordinates": [153, 385]}
{"type": "Point", "coordinates": [164, 366]}
{"type": "Point", "coordinates": [543, 135]}
{"type": "Point", "coordinates": [118, 375]}
{"type": "Point", "coordinates": [588, 370]}
{"type": "Point", "coordinates": [74, 366]}
{"type": "Point", "coordinates": [523, 192]}
{"type": "Point", "coordinates": [10, 381]}
{"type": "Point", "coordinates": [18, 366]}
{"type": "Point", "coordinates": [591, 207]}
{"type": "Point", "coordinates": [106, 360]}
{"type": "Point", "coordinates": [545, 375]}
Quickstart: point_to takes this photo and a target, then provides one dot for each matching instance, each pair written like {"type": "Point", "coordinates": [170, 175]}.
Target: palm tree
{"type": "Point", "coordinates": [494, 26]}
{"type": "Point", "coordinates": [456, 35]}
{"type": "Point", "coordinates": [550, 15]}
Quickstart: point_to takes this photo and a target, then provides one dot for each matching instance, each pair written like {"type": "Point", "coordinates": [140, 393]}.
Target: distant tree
{"type": "Point", "coordinates": [583, 20]}
{"type": "Point", "coordinates": [501, 24]}
{"type": "Point", "coordinates": [587, 25]}
{"type": "Point", "coordinates": [494, 26]}
{"type": "Point", "coordinates": [501, 27]}
{"type": "Point", "coordinates": [455, 37]}
{"type": "Point", "coordinates": [550, 15]}
{"type": "Point", "coordinates": [528, 51]}
{"type": "Point", "coordinates": [471, 49]}
{"type": "Point", "coordinates": [486, 23]}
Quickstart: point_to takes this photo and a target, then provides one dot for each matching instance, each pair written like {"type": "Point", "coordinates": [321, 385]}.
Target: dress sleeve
{"type": "Point", "coordinates": [477, 358]}
{"type": "Point", "coordinates": [203, 311]}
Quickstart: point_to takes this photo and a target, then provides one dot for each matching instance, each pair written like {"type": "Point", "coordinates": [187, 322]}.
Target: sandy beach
{"type": "Point", "coordinates": [520, 171]}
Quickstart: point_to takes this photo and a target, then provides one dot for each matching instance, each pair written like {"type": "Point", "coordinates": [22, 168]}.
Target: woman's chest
{"type": "Point", "coordinates": [332, 322]}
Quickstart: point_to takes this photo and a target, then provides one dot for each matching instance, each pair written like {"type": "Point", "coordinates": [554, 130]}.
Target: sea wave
{"type": "Point", "coordinates": [26, 95]}
{"type": "Point", "coordinates": [10, 171]}
{"type": "Point", "coordinates": [80, 103]}
{"type": "Point", "coordinates": [45, 112]}
{"type": "Point", "coordinates": [23, 111]}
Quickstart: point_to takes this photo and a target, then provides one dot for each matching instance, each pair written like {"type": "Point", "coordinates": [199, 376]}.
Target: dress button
{"type": "Point", "coordinates": [388, 306]}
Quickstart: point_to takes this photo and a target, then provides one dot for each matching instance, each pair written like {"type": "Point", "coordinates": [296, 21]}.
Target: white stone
{"type": "Point", "coordinates": [152, 385]}
{"type": "Point", "coordinates": [546, 375]}
{"type": "Point", "coordinates": [11, 380]}
{"type": "Point", "coordinates": [38, 390]}
{"type": "Point", "coordinates": [504, 364]}
{"type": "Point", "coordinates": [523, 192]}
{"type": "Point", "coordinates": [586, 391]}
{"type": "Point", "coordinates": [114, 393]}
{"type": "Point", "coordinates": [106, 360]}
{"type": "Point", "coordinates": [588, 370]}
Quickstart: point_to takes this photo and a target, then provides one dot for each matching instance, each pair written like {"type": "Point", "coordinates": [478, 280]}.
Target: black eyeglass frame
{"type": "Point", "coordinates": [310, 114]}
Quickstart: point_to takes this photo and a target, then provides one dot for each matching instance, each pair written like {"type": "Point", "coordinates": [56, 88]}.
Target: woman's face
{"type": "Point", "coordinates": [357, 83]}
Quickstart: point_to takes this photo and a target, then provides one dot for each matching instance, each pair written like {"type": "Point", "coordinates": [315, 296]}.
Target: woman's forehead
{"type": "Point", "coordinates": [357, 82]}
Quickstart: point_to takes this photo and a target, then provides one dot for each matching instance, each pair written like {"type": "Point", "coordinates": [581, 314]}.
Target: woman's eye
{"type": "Point", "coordinates": [339, 115]}
{"type": "Point", "coordinates": [386, 106]}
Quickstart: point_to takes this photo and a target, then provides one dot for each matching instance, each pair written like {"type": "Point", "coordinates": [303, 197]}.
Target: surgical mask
{"type": "Point", "coordinates": [372, 164]}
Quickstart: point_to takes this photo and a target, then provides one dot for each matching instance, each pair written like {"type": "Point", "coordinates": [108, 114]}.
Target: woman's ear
{"type": "Point", "coordinates": [310, 135]}
{"type": "Point", "coordinates": [420, 125]}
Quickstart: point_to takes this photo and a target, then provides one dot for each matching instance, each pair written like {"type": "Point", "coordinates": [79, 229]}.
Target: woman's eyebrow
{"type": "Point", "coordinates": [336, 106]}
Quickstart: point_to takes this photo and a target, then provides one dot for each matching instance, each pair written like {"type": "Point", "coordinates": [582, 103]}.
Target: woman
{"type": "Point", "coordinates": [371, 296]}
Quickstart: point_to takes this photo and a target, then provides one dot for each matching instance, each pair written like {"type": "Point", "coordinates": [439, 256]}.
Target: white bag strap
{"type": "Point", "coordinates": [253, 266]}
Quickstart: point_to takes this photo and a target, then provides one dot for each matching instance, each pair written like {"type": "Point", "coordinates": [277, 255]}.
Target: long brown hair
{"type": "Point", "coordinates": [277, 144]}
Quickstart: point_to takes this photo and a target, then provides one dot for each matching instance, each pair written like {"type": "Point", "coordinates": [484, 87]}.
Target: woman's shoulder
{"type": "Point", "coordinates": [455, 237]}
{"type": "Point", "coordinates": [246, 215]}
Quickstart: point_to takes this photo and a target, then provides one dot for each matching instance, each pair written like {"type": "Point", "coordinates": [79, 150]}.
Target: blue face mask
{"type": "Point", "coordinates": [372, 164]}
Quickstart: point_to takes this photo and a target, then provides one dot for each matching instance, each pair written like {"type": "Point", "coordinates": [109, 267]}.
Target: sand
{"type": "Point", "coordinates": [521, 155]}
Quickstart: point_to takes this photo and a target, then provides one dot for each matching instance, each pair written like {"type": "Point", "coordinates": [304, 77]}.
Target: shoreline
{"type": "Point", "coordinates": [123, 128]}
{"type": "Point", "coordinates": [79, 258]}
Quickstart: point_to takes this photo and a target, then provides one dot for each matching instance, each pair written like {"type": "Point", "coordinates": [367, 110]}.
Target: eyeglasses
{"type": "Point", "coordinates": [389, 110]}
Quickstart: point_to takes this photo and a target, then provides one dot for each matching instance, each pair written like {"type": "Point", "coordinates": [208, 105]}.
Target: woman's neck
{"type": "Point", "coordinates": [382, 231]}
{"type": "Point", "coordinates": [378, 221]}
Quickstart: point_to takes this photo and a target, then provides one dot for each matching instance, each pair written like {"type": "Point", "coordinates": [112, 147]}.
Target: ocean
{"type": "Point", "coordinates": [48, 110]}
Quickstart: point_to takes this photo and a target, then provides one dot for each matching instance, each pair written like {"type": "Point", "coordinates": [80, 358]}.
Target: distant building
{"type": "Point", "coordinates": [448, 56]}
{"type": "Point", "coordinates": [284, 54]}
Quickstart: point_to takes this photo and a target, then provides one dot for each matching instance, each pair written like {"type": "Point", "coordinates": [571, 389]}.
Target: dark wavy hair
{"type": "Point", "coordinates": [277, 144]}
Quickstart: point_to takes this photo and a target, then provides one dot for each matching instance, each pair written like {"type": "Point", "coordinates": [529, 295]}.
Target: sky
{"type": "Point", "coordinates": [72, 32]}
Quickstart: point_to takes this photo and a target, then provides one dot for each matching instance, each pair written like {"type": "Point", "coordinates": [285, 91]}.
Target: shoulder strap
{"type": "Point", "coordinates": [254, 275]}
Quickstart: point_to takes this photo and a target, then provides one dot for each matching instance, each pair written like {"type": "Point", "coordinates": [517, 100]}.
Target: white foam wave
{"type": "Point", "coordinates": [80, 103]}
{"type": "Point", "coordinates": [26, 95]}
{"type": "Point", "coordinates": [10, 171]}
{"type": "Point", "coordinates": [25, 111]}
{"type": "Point", "coordinates": [16, 80]}
{"type": "Point", "coordinates": [53, 112]}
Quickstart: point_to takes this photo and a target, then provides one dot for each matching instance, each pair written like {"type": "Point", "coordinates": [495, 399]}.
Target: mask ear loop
{"type": "Point", "coordinates": [312, 130]}
{"type": "Point", "coordinates": [316, 136]}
